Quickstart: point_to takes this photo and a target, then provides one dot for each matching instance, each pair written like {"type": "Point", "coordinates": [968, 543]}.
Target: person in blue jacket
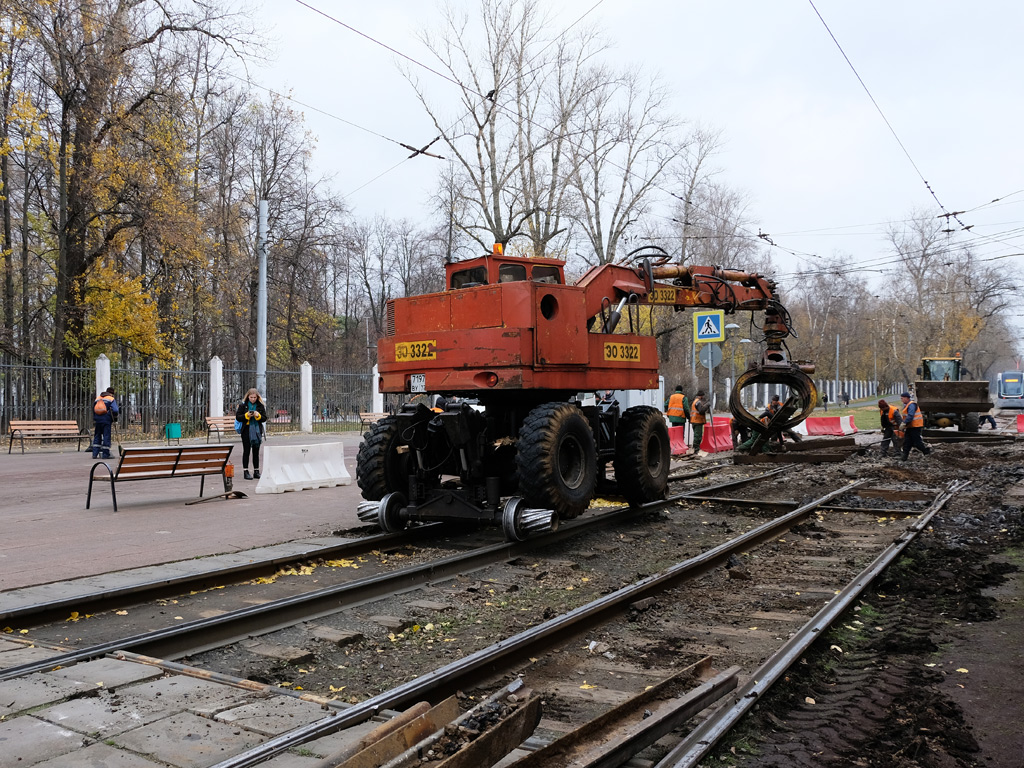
{"type": "Point", "coordinates": [104, 414]}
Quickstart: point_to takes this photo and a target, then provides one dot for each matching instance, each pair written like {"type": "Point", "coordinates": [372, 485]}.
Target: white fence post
{"type": "Point", "coordinates": [102, 374]}
{"type": "Point", "coordinates": [216, 386]}
{"type": "Point", "coordinates": [306, 397]}
{"type": "Point", "coordinates": [377, 400]}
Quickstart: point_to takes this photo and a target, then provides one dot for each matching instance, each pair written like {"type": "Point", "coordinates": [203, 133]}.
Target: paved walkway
{"type": "Point", "coordinates": [47, 534]}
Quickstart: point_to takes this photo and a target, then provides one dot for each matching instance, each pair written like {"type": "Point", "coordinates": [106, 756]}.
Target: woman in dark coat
{"type": "Point", "coordinates": [253, 415]}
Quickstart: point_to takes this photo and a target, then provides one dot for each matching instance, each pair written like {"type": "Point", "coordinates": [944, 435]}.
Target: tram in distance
{"type": "Point", "coordinates": [1010, 389]}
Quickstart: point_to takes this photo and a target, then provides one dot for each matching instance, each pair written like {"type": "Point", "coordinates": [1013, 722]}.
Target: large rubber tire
{"type": "Point", "coordinates": [381, 468]}
{"type": "Point", "coordinates": [971, 422]}
{"type": "Point", "coordinates": [642, 455]}
{"type": "Point", "coordinates": [557, 460]}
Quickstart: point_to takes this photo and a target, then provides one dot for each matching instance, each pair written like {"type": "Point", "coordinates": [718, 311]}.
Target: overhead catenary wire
{"type": "Point", "coordinates": [885, 119]}
{"type": "Point", "coordinates": [740, 232]}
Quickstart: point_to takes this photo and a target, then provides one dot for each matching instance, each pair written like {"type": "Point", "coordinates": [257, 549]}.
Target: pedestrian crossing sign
{"type": "Point", "coordinates": [708, 325]}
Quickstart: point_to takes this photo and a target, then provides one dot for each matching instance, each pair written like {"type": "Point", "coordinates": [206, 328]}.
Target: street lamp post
{"type": "Point", "coordinates": [730, 332]}
{"type": "Point", "coordinates": [745, 341]}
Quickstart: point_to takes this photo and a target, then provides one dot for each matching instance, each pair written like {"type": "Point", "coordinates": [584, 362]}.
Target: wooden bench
{"type": "Point", "coordinates": [46, 430]}
{"type": "Point", "coordinates": [165, 462]}
{"type": "Point", "coordinates": [220, 425]}
{"type": "Point", "coordinates": [366, 419]}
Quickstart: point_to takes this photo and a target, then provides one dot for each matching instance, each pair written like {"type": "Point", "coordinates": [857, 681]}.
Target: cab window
{"type": "Point", "coordinates": [469, 277]}
{"type": "Point", "coordinates": [545, 275]}
{"type": "Point", "coordinates": [511, 273]}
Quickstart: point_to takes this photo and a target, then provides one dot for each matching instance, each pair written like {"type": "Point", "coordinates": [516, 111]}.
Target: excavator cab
{"type": "Point", "coordinates": [496, 268]}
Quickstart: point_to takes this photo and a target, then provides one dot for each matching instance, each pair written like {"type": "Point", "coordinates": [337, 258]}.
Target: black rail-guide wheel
{"type": "Point", "coordinates": [642, 455]}
{"type": "Point", "coordinates": [557, 459]}
{"type": "Point", "coordinates": [388, 517]}
{"type": "Point", "coordinates": [383, 461]}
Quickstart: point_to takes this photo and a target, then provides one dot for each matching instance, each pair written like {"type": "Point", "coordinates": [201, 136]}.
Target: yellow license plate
{"type": "Point", "coordinates": [416, 350]}
{"type": "Point", "coordinates": [662, 296]}
{"type": "Point", "coordinates": [619, 353]}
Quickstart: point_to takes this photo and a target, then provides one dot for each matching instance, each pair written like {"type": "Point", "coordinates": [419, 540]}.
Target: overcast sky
{"type": "Point", "coordinates": [822, 170]}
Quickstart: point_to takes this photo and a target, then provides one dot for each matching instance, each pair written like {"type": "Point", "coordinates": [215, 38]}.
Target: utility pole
{"type": "Point", "coordinates": [261, 303]}
{"type": "Point", "coordinates": [835, 393]}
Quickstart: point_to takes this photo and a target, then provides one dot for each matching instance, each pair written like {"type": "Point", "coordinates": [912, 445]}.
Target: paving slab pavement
{"type": "Point", "coordinates": [49, 535]}
{"type": "Point", "coordinates": [122, 714]}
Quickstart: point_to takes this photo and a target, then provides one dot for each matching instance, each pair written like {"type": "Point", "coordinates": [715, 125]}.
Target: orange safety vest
{"type": "Point", "coordinates": [917, 421]}
{"type": "Point", "coordinates": [696, 417]}
{"type": "Point", "coordinates": [675, 406]}
{"type": "Point", "coordinates": [774, 408]}
{"type": "Point", "coordinates": [892, 415]}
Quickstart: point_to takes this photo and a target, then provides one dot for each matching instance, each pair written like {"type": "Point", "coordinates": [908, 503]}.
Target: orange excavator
{"type": "Point", "coordinates": [513, 350]}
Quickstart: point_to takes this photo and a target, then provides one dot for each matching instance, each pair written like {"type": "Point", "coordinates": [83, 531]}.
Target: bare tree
{"type": "Point", "coordinates": [623, 150]}
{"type": "Point", "coordinates": [518, 94]}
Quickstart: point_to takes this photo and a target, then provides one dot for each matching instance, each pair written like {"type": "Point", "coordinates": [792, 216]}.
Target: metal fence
{"type": "Point", "coordinates": [47, 393]}
{"type": "Point", "coordinates": [339, 398]}
{"type": "Point", "coordinates": [149, 398]}
{"type": "Point", "coordinates": [282, 397]}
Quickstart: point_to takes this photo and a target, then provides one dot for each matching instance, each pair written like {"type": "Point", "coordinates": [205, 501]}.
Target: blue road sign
{"type": "Point", "coordinates": [708, 325]}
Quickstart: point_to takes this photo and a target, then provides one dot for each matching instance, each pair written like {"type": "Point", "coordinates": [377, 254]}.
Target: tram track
{"type": "Point", "coordinates": [179, 639]}
{"type": "Point", "coordinates": [501, 658]}
{"type": "Point", "coordinates": [498, 659]}
{"type": "Point", "coordinates": [150, 589]}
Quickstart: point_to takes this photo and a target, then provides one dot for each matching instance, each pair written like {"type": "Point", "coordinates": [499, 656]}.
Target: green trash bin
{"type": "Point", "coordinates": [172, 431]}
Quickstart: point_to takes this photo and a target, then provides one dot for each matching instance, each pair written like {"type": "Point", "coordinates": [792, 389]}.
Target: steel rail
{"type": "Point", "coordinates": [235, 573]}
{"type": "Point", "coordinates": [172, 585]}
{"type": "Point", "coordinates": [236, 625]}
{"type": "Point", "coordinates": [487, 659]}
{"type": "Point", "coordinates": [154, 588]}
{"type": "Point", "coordinates": [704, 737]}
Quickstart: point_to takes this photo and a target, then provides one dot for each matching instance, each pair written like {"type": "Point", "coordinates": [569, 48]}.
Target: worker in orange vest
{"type": "Point", "coordinates": [891, 420]}
{"type": "Point", "coordinates": [769, 412]}
{"type": "Point", "coordinates": [913, 426]}
{"type": "Point", "coordinates": [675, 407]}
{"type": "Point", "coordinates": [104, 414]}
{"type": "Point", "coordinates": [698, 418]}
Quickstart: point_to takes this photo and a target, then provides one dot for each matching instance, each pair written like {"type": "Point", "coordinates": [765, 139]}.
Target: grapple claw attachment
{"type": "Point", "coordinates": [803, 397]}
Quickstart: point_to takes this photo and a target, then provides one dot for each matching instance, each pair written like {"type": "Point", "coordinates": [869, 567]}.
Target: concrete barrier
{"type": "Point", "coordinates": [717, 436]}
{"type": "Point", "coordinates": [677, 440]}
{"type": "Point", "coordinates": [826, 425]}
{"type": "Point", "coordinates": [301, 467]}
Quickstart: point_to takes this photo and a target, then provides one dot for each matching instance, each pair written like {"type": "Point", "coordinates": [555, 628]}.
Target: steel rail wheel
{"type": "Point", "coordinates": [388, 513]}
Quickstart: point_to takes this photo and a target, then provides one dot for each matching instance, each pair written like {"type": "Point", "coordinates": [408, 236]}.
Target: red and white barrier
{"type": "Point", "coordinates": [826, 425]}
{"type": "Point", "coordinates": [717, 436]}
{"type": "Point", "coordinates": [677, 440]}
{"type": "Point", "coordinates": [1020, 422]}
